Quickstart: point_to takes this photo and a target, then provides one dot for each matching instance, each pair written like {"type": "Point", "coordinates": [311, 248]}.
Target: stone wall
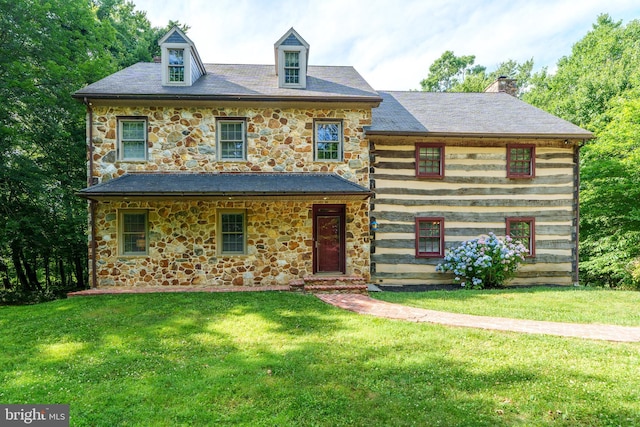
{"type": "Point", "coordinates": [183, 245]}
{"type": "Point", "coordinates": [184, 139]}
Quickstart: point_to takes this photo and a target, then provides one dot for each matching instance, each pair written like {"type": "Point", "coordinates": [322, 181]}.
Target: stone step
{"type": "Point", "coordinates": [330, 284]}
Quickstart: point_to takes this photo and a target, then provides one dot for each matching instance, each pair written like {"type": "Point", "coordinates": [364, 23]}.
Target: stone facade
{"type": "Point", "coordinates": [184, 139]}
{"type": "Point", "coordinates": [182, 233]}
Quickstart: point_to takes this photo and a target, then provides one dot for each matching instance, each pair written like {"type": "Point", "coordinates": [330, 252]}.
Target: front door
{"type": "Point", "coordinates": [329, 239]}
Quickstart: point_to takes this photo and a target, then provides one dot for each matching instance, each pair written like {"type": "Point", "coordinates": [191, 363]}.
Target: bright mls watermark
{"type": "Point", "coordinates": [34, 415]}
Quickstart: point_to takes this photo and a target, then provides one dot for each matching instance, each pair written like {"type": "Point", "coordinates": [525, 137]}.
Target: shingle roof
{"type": "Point", "coordinates": [434, 113]}
{"type": "Point", "coordinates": [227, 185]}
{"type": "Point", "coordinates": [233, 81]}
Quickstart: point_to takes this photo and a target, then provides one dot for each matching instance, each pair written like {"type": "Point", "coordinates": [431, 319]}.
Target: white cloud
{"type": "Point", "coordinates": [391, 43]}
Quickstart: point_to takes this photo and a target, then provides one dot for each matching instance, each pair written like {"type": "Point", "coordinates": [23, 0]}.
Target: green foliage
{"type": "Point", "coordinates": [264, 359]}
{"type": "Point", "coordinates": [48, 50]}
{"type": "Point", "coordinates": [598, 87]}
{"type": "Point", "coordinates": [451, 73]}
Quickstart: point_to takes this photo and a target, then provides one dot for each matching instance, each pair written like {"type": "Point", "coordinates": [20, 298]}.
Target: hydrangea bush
{"type": "Point", "coordinates": [484, 262]}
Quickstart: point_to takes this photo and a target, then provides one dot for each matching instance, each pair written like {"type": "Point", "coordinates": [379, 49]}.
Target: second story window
{"type": "Point", "coordinates": [430, 160]}
{"type": "Point", "coordinates": [132, 143]}
{"type": "Point", "coordinates": [328, 140]}
{"type": "Point", "coordinates": [231, 140]}
{"type": "Point", "coordinates": [521, 161]}
{"type": "Point", "coordinates": [292, 67]}
{"type": "Point", "coordinates": [176, 65]}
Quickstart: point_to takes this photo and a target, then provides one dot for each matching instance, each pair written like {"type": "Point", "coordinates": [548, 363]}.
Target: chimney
{"type": "Point", "coordinates": [504, 84]}
{"type": "Point", "coordinates": [157, 59]}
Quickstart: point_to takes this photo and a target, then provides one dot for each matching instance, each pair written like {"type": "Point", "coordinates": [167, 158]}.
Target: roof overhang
{"type": "Point", "coordinates": [572, 136]}
{"type": "Point", "coordinates": [227, 186]}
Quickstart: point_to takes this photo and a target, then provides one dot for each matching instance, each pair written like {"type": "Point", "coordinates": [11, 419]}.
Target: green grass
{"type": "Point", "coordinates": [574, 305]}
{"type": "Point", "coordinates": [288, 359]}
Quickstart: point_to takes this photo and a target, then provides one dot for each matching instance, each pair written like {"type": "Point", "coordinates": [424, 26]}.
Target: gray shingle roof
{"type": "Point", "coordinates": [232, 81]}
{"type": "Point", "coordinates": [226, 185]}
{"type": "Point", "coordinates": [434, 113]}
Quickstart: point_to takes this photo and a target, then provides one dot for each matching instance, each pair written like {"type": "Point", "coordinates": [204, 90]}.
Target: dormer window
{"type": "Point", "coordinates": [176, 65]}
{"type": "Point", "coordinates": [181, 64]}
{"type": "Point", "coordinates": [292, 54]}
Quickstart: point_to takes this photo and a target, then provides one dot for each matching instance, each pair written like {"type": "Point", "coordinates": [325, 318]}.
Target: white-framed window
{"type": "Point", "coordinates": [328, 140]}
{"type": "Point", "coordinates": [176, 65]}
{"type": "Point", "coordinates": [291, 67]}
{"type": "Point", "coordinates": [134, 232]}
{"type": "Point", "coordinates": [231, 139]}
{"type": "Point", "coordinates": [132, 139]}
{"type": "Point", "coordinates": [232, 232]}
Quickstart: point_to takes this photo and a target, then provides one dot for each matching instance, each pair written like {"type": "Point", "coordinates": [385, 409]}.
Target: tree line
{"type": "Point", "coordinates": [597, 87]}
{"type": "Point", "coordinates": [48, 50]}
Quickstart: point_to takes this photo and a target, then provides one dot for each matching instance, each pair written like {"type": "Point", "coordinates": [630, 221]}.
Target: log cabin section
{"type": "Point", "coordinates": [448, 167]}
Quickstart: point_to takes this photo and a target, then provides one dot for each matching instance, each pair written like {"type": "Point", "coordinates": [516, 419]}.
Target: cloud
{"type": "Point", "coordinates": [391, 43]}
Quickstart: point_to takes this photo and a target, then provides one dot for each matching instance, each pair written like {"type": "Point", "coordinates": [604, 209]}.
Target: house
{"type": "Point", "coordinates": [257, 175]}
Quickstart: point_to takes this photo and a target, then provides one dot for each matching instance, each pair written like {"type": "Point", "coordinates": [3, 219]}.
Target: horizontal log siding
{"type": "Point", "coordinates": [474, 198]}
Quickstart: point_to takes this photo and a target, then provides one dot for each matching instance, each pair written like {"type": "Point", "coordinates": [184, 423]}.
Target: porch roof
{"type": "Point", "coordinates": [228, 186]}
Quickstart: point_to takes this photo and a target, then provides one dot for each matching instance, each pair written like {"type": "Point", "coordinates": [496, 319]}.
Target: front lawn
{"type": "Point", "coordinates": [289, 359]}
{"type": "Point", "coordinates": [570, 304]}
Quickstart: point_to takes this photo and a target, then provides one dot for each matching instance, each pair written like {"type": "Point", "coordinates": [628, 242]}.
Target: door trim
{"type": "Point", "coordinates": [330, 210]}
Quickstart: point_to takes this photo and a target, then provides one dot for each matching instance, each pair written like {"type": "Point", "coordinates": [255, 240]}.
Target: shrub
{"type": "Point", "coordinates": [484, 262]}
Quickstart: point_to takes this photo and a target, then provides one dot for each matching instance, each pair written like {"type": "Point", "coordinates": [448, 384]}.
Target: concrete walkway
{"type": "Point", "coordinates": [365, 305]}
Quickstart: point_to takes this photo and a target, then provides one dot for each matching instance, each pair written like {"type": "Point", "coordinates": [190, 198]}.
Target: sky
{"type": "Point", "coordinates": [391, 43]}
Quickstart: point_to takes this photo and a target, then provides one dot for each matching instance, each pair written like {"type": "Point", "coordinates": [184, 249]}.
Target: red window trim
{"type": "Point", "coordinates": [532, 162]}
{"type": "Point", "coordinates": [440, 252]}
{"type": "Point", "coordinates": [439, 175]}
{"type": "Point", "coordinates": [532, 227]}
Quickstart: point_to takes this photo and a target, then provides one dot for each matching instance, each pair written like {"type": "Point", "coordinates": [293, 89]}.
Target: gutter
{"type": "Point", "coordinates": [92, 203]}
{"type": "Point", "coordinates": [370, 133]}
{"type": "Point", "coordinates": [249, 98]}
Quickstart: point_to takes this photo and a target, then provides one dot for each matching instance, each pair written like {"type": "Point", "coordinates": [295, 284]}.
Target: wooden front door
{"type": "Point", "coordinates": [329, 239]}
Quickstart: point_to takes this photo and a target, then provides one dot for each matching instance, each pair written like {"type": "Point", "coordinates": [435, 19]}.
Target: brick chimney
{"type": "Point", "coordinates": [504, 84]}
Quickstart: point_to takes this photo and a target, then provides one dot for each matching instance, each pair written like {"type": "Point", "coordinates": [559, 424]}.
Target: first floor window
{"type": "Point", "coordinates": [430, 160]}
{"type": "Point", "coordinates": [328, 140]}
{"type": "Point", "coordinates": [231, 139]}
{"type": "Point", "coordinates": [523, 231]}
{"type": "Point", "coordinates": [232, 232]}
{"type": "Point", "coordinates": [133, 139]}
{"type": "Point", "coordinates": [429, 237]}
{"type": "Point", "coordinates": [134, 234]}
{"type": "Point", "coordinates": [520, 161]}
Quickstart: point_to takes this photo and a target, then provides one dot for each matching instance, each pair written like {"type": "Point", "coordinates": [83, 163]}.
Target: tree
{"type": "Point", "coordinates": [49, 49]}
{"type": "Point", "coordinates": [598, 87]}
{"type": "Point", "coordinates": [451, 73]}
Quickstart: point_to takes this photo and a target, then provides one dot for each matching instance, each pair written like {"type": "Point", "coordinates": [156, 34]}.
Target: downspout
{"type": "Point", "coordinates": [576, 160]}
{"type": "Point", "coordinates": [92, 203]}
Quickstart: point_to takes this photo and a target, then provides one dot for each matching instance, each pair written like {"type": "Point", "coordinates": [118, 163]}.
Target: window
{"type": "Point", "coordinates": [231, 139]}
{"type": "Point", "coordinates": [328, 144]}
{"type": "Point", "coordinates": [521, 161]}
{"type": "Point", "coordinates": [232, 231]}
{"type": "Point", "coordinates": [176, 65]}
{"type": "Point", "coordinates": [133, 139]}
{"type": "Point", "coordinates": [292, 67]}
{"type": "Point", "coordinates": [133, 233]}
{"type": "Point", "coordinates": [429, 237]}
{"type": "Point", "coordinates": [430, 160]}
{"type": "Point", "coordinates": [523, 230]}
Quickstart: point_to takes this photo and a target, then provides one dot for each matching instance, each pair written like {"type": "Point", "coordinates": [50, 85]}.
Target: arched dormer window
{"type": "Point", "coordinates": [292, 55]}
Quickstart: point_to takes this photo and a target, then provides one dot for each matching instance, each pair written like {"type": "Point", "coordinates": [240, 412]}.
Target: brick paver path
{"type": "Point", "coordinates": [365, 305]}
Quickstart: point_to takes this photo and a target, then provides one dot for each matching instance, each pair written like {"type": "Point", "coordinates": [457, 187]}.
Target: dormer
{"type": "Point", "coordinates": [181, 64]}
{"type": "Point", "coordinates": [292, 57]}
